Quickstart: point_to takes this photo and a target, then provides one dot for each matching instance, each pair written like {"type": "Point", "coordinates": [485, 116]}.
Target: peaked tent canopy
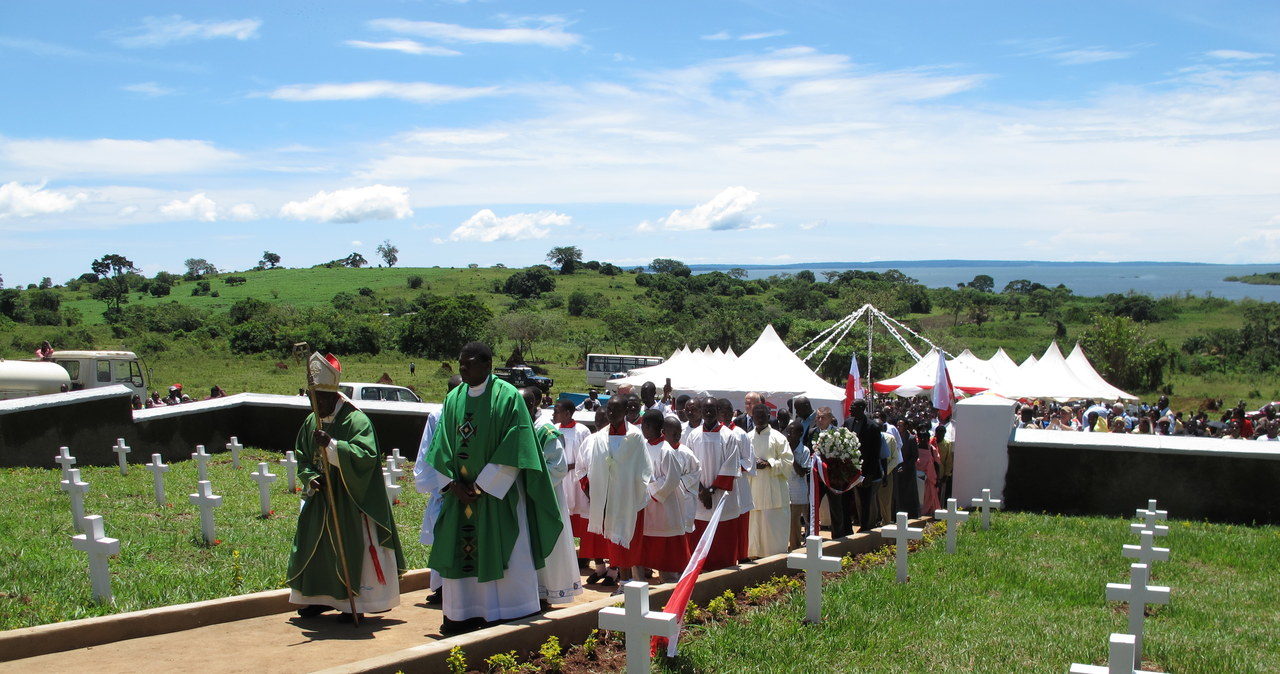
{"type": "Point", "coordinates": [1083, 369]}
{"type": "Point", "coordinates": [921, 376]}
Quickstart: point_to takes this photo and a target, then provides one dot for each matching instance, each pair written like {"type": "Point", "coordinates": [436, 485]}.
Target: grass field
{"type": "Point", "coordinates": [162, 558]}
{"type": "Point", "coordinates": [1026, 596]}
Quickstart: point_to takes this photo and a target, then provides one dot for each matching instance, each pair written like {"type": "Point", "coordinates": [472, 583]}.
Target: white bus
{"type": "Point", "coordinates": [602, 366]}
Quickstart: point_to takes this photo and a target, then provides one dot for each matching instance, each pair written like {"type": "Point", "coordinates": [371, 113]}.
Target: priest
{"type": "Point", "coordinates": [338, 459]}
{"type": "Point", "coordinates": [499, 519]}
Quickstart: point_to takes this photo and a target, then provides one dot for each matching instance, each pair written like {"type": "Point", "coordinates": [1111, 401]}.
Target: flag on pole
{"type": "Point", "coordinates": [679, 599]}
{"type": "Point", "coordinates": [943, 394]}
{"type": "Point", "coordinates": [853, 387]}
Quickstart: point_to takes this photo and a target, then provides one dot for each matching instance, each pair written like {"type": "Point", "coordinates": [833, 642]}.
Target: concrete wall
{"type": "Point", "coordinates": [89, 422]}
{"type": "Point", "coordinates": [1113, 474]}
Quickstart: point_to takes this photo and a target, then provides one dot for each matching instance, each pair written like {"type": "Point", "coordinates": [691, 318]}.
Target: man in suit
{"type": "Point", "coordinates": [868, 432]}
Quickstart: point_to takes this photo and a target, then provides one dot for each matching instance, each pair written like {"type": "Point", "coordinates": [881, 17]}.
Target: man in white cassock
{"type": "Point", "coordinates": [770, 493]}
{"type": "Point", "coordinates": [664, 547]}
{"type": "Point", "coordinates": [719, 467]}
{"type": "Point", "coordinates": [690, 471]}
{"type": "Point", "coordinates": [747, 470]}
{"type": "Point", "coordinates": [618, 475]}
{"type": "Point", "coordinates": [558, 580]}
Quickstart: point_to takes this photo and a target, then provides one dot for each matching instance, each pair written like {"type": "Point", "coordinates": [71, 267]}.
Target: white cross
{"type": "Point", "coordinates": [264, 478]}
{"type": "Point", "coordinates": [99, 548]}
{"type": "Point", "coordinates": [393, 469]}
{"type": "Point", "coordinates": [813, 563]}
{"type": "Point", "coordinates": [207, 502]}
{"type": "Point", "coordinates": [291, 470]}
{"type": "Point", "coordinates": [201, 458]}
{"type": "Point", "coordinates": [121, 449]}
{"type": "Point", "coordinates": [1119, 658]}
{"type": "Point", "coordinates": [954, 517]}
{"type": "Point", "coordinates": [1149, 518]}
{"type": "Point", "coordinates": [75, 489]}
{"type": "Point", "coordinates": [65, 459]}
{"type": "Point", "coordinates": [639, 624]}
{"type": "Point", "coordinates": [1138, 594]}
{"type": "Point", "coordinates": [395, 453]}
{"type": "Point", "coordinates": [234, 447]}
{"type": "Point", "coordinates": [393, 489]}
{"type": "Point", "coordinates": [1146, 552]}
{"type": "Point", "coordinates": [985, 504]}
{"type": "Point", "coordinates": [158, 468]}
{"type": "Point", "coordinates": [903, 535]}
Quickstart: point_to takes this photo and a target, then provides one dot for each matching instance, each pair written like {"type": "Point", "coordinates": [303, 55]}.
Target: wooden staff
{"type": "Point", "coordinates": [333, 512]}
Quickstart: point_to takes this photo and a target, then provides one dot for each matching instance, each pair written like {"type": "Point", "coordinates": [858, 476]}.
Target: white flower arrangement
{"type": "Point", "coordinates": [840, 444]}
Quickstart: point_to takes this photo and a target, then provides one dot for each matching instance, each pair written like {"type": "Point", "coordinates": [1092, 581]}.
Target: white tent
{"type": "Point", "coordinates": [1083, 369]}
{"type": "Point", "coordinates": [768, 367]}
{"type": "Point", "coordinates": [1048, 377]}
{"type": "Point", "coordinates": [1002, 365]}
{"type": "Point", "coordinates": [920, 377]}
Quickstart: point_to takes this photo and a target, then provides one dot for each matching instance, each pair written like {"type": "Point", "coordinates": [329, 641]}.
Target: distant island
{"type": "Point", "coordinates": [1271, 278]}
{"type": "Point", "coordinates": [890, 264]}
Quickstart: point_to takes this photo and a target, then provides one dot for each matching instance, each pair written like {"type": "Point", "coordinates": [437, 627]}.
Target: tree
{"type": "Point", "coordinates": [198, 268]}
{"type": "Point", "coordinates": [354, 260]}
{"type": "Point", "coordinates": [443, 325]}
{"type": "Point", "coordinates": [983, 283]}
{"type": "Point", "coordinates": [269, 260]}
{"type": "Point", "coordinates": [388, 253]}
{"type": "Point", "coordinates": [530, 283]}
{"type": "Point", "coordinates": [1124, 354]}
{"type": "Point", "coordinates": [663, 265]}
{"type": "Point", "coordinates": [738, 273]}
{"type": "Point", "coordinates": [567, 257]}
{"type": "Point", "coordinates": [113, 286]}
{"type": "Point", "coordinates": [525, 328]}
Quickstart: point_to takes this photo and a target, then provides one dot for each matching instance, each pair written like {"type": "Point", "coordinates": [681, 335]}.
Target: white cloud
{"type": "Point", "coordinates": [716, 37]}
{"type": "Point", "coordinates": [1236, 55]}
{"type": "Point", "coordinates": [375, 202]}
{"type": "Point", "coordinates": [357, 243]}
{"type": "Point", "coordinates": [24, 201]}
{"type": "Point", "coordinates": [454, 137]}
{"type": "Point", "coordinates": [414, 92]}
{"type": "Point", "coordinates": [113, 157]}
{"type": "Point", "coordinates": [730, 209]}
{"type": "Point", "coordinates": [763, 35]}
{"type": "Point", "coordinates": [148, 89]}
{"type": "Point", "coordinates": [1075, 57]}
{"type": "Point", "coordinates": [550, 32]}
{"type": "Point", "coordinates": [198, 207]}
{"type": "Point", "coordinates": [159, 31]}
{"type": "Point", "coordinates": [404, 46]}
{"type": "Point", "coordinates": [486, 226]}
{"type": "Point", "coordinates": [244, 212]}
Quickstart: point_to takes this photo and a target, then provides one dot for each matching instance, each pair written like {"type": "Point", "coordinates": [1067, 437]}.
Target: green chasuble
{"type": "Point", "coordinates": [314, 567]}
{"type": "Point", "coordinates": [476, 540]}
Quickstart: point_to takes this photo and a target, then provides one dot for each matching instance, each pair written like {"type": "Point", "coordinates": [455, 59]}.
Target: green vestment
{"type": "Point", "coordinates": [314, 566]}
{"type": "Point", "coordinates": [476, 540]}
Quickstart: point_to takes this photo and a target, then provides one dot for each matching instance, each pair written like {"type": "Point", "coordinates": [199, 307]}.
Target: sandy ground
{"type": "Point", "coordinates": [282, 642]}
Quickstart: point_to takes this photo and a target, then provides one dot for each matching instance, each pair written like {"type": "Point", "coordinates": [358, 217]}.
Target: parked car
{"type": "Point", "coordinates": [357, 391]}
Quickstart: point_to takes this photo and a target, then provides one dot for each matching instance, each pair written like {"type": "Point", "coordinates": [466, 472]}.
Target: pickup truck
{"type": "Point", "coordinates": [521, 376]}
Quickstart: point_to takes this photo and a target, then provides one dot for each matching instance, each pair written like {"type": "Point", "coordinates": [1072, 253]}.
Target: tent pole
{"type": "Point", "coordinates": [871, 391]}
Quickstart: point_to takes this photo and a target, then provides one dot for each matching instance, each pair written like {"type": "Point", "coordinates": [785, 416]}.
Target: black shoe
{"type": "Point", "coordinates": [608, 581]}
{"type": "Point", "coordinates": [593, 578]}
{"type": "Point", "coordinates": [435, 598]}
{"type": "Point", "coordinates": [346, 617]}
{"type": "Point", "coordinates": [450, 628]}
{"type": "Point", "coordinates": [313, 610]}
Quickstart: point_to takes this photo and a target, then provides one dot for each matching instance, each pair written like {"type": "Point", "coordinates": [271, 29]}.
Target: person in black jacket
{"type": "Point", "coordinates": [868, 432]}
{"type": "Point", "coordinates": [905, 497]}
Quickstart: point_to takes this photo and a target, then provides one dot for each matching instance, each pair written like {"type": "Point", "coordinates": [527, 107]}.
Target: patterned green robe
{"type": "Point", "coordinates": [476, 540]}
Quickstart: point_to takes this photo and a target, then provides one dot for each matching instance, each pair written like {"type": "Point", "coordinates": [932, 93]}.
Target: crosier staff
{"type": "Point", "coordinates": [328, 492]}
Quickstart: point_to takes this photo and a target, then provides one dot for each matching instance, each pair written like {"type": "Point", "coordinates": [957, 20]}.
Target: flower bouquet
{"type": "Point", "coordinates": [840, 451]}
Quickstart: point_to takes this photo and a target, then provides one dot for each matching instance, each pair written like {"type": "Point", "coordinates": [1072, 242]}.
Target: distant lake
{"type": "Point", "coordinates": [1157, 279]}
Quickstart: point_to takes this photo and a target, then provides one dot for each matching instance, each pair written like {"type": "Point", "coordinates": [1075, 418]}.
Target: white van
{"type": "Point", "coordinates": [357, 392]}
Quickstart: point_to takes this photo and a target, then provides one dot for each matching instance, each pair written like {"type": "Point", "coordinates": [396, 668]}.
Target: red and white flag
{"type": "Point", "coordinates": [679, 599]}
{"type": "Point", "coordinates": [853, 387]}
{"type": "Point", "coordinates": [943, 394]}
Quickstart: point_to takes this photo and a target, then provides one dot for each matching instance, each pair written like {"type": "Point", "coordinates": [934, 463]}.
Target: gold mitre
{"type": "Point", "coordinates": [324, 372]}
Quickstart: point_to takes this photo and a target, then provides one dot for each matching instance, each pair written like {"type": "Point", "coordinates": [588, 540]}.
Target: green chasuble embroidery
{"type": "Point", "coordinates": [476, 540]}
{"type": "Point", "coordinates": [314, 567]}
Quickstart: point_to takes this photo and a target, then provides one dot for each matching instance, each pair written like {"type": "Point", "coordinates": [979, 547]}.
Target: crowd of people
{"type": "Point", "coordinates": [1151, 419]}
{"type": "Point", "coordinates": [512, 485]}
{"type": "Point", "coordinates": [175, 396]}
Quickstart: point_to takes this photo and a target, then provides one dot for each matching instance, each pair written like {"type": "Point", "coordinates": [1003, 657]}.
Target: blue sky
{"type": "Point", "coordinates": [752, 132]}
